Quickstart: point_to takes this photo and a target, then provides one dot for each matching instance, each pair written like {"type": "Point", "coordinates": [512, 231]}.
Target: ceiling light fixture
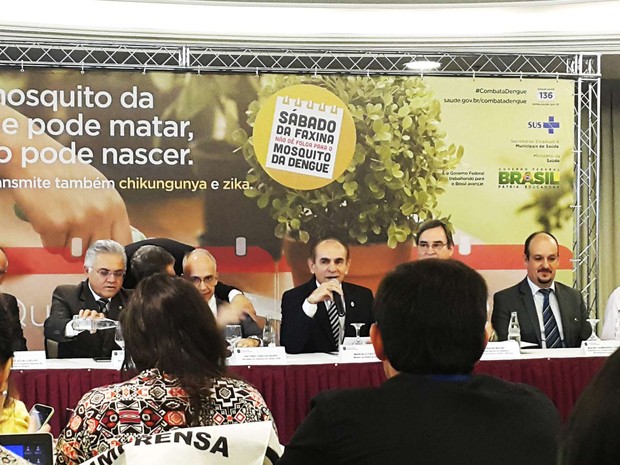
{"type": "Point", "coordinates": [423, 65]}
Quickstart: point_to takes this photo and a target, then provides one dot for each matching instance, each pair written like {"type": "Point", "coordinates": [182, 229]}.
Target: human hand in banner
{"type": "Point", "coordinates": [57, 213]}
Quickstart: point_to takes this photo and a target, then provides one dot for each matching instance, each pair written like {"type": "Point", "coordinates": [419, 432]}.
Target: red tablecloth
{"type": "Point", "coordinates": [288, 389]}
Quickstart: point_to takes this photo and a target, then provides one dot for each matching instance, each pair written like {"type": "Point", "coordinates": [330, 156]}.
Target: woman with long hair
{"type": "Point", "coordinates": [14, 415]}
{"type": "Point", "coordinates": [173, 339]}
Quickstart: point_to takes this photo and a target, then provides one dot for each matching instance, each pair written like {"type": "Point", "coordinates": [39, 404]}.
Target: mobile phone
{"type": "Point", "coordinates": [41, 415]}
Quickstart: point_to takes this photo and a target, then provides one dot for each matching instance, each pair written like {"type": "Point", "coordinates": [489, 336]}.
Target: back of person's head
{"type": "Point", "coordinates": [431, 315]}
{"type": "Point", "coordinates": [168, 325]}
{"type": "Point", "coordinates": [103, 246]}
{"type": "Point", "coordinates": [148, 260]}
{"type": "Point", "coordinates": [591, 434]}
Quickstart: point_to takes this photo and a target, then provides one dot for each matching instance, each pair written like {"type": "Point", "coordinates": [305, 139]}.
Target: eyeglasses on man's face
{"type": "Point", "coordinates": [207, 280]}
{"type": "Point", "coordinates": [436, 246]}
{"type": "Point", "coordinates": [105, 273]}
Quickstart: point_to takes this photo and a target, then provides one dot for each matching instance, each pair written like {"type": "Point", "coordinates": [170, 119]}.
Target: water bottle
{"type": "Point", "coordinates": [269, 333]}
{"type": "Point", "coordinates": [88, 324]}
{"type": "Point", "coordinates": [514, 330]}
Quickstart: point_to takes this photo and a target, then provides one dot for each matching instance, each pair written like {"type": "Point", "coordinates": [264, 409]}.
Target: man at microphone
{"type": "Point", "coordinates": [317, 315]}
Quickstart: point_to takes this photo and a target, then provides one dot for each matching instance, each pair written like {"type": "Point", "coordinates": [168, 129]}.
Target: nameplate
{"type": "Point", "coordinates": [29, 359]}
{"type": "Point", "coordinates": [354, 353]}
{"type": "Point", "coordinates": [258, 356]}
{"type": "Point", "coordinates": [501, 350]}
{"type": "Point", "coordinates": [117, 359]}
{"type": "Point", "coordinates": [599, 348]}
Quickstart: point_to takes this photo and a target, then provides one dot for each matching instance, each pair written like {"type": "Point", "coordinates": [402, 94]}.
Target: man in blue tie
{"type": "Point", "coordinates": [551, 315]}
{"type": "Point", "coordinates": [318, 314]}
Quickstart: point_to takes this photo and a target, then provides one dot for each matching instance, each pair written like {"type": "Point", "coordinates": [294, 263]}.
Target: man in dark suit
{"type": "Point", "coordinates": [550, 314]}
{"type": "Point", "coordinates": [311, 319]}
{"type": "Point", "coordinates": [100, 295]}
{"type": "Point", "coordinates": [430, 332]}
{"type": "Point", "coordinates": [9, 317]}
{"type": "Point", "coordinates": [179, 250]}
{"type": "Point", "coordinates": [200, 268]}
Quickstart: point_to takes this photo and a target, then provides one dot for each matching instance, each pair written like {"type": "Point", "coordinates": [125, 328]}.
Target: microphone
{"type": "Point", "coordinates": [339, 304]}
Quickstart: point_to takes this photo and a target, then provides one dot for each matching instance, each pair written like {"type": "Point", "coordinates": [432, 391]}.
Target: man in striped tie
{"type": "Point", "coordinates": [551, 314]}
{"type": "Point", "coordinates": [318, 314]}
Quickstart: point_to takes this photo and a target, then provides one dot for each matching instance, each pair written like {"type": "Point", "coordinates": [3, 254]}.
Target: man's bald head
{"type": "Point", "coordinates": [200, 268]}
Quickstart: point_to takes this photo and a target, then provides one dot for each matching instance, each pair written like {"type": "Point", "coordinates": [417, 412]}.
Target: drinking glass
{"type": "Point", "coordinates": [269, 333]}
{"type": "Point", "coordinates": [357, 326]}
{"type": "Point", "coordinates": [233, 335]}
{"type": "Point", "coordinates": [593, 336]}
{"type": "Point", "coordinates": [118, 336]}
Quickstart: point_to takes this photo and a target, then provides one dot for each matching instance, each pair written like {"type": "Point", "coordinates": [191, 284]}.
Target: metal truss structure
{"type": "Point", "coordinates": [583, 69]}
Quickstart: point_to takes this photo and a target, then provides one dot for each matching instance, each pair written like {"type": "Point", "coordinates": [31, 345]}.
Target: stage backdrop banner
{"type": "Point", "coordinates": [252, 168]}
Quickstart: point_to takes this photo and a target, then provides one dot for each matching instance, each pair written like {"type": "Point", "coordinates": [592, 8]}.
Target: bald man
{"type": "Point", "coordinates": [200, 268]}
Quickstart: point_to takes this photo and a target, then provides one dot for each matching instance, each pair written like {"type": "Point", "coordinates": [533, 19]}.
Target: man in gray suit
{"type": "Point", "coordinates": [551, 315]}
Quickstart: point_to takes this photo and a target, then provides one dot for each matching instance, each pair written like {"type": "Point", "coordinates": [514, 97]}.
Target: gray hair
{"type": "Point", "coordinates": [195, 252]}
{"type": "Point", "coordinates": [104, 246]}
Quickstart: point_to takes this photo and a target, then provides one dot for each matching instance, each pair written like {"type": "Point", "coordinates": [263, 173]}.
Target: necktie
{"type": "Point", "coordinates": [334, 322]}
{"type": "Point", "coordinates": [552, 333]}
{"type": "Point", "coordinates": [103, 306]}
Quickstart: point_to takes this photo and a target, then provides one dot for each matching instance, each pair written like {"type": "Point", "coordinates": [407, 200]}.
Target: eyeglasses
{"type": "Point", "coordinates": [436, 246]}
{"type": "Point", "coordinates": [197, 280]}
{"type": "Point", "coordinates": [105, 273]}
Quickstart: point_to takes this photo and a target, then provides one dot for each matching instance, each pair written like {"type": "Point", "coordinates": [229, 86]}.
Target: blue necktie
{"type": "Point", "coordinates": [552, 333]}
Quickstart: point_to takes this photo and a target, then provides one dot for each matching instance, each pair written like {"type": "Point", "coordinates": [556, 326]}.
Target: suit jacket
{"type": "Point", "coordinates": [301, 334]}
{"type": "Point", "coordinates": [518, 298]}
{"type": "Point", "coordinates": [177, 250]}
{"type": "Point", "coordinates": [249, 327]}
{"type": "Point", "coordinates": [67, 301]}
{"type": "Point", "coordinates": [10, 319]}
{"type": "Point", "coordinates": [414, 419]}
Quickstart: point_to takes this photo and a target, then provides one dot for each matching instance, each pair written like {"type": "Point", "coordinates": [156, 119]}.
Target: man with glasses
{"type": "Point", "coordinates": [434, 240]}
{"type": "Point", "coordinates": [200, 268]}
{"type": "Point", "coordinates": [100, 295]}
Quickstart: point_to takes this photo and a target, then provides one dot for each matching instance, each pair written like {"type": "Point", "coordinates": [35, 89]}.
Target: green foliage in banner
{"type": "Point", "coordinates": [397, 173]}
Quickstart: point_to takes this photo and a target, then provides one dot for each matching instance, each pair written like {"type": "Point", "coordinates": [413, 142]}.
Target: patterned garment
{"type": "Point", "coordinates": [148, 404]}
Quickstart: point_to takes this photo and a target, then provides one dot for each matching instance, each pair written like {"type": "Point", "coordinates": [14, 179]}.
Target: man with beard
{"type": "Point", "coordinates": [551, 315]}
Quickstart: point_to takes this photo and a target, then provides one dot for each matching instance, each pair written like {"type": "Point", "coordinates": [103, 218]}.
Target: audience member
{"type": "Point", "coordinates": [432, 410]}
{"type": "Point", "coordinates": [9, 317]}
{"type": "Point", "coordinates": [200, 268]}
{"type": "Point", "coordinates": [551, 314]}
{"type": "Point", "coordinates": [239, 302]}
{"type": "Point", "coordinates": [99, 295]}
{"type": "Point", "coordinates": [173, 338]}
{"type": "Point", "coordinates": [434, 240]}
{"type": "Point", "coordinates": [311, 320]}
{"type": "Point", "coordinates": [14, 416]}
{"type": "Point", "coordinates": [151, 259]}
{"type": "Point", "coordinates": [591, 434]}
{"type": "Point", "coordinates": [611, 325]}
